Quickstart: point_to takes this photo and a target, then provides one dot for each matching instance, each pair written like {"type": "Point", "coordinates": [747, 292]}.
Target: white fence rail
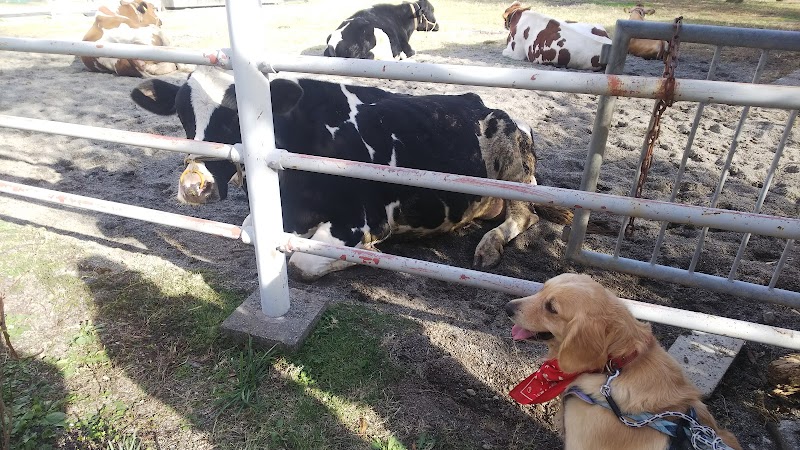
{"type": "Point", "coordinates": [263, 161]}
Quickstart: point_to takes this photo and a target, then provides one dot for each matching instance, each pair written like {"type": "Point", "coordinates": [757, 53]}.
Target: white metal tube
{"type": "Point", "coordinates": [442, 272]}
{"type": "Point", "coordinates": [644, 311]}
{"type": "Point", "coordinates": [255, 120]}
{"type": "Point", "coordinates": [700, 280]}
{"type": "Point", "coordinates": [729, 93]}
{"type": "Point", "coordinates": [122, 209]}
{"type": "Point", "coordinates": [115, 50]}
{"type": "Point", "coordinates": [783, 227]}
{"type": "Point", "coordinates": [785, 97]}
{"type": "Point", "coordinates": [157, 141]}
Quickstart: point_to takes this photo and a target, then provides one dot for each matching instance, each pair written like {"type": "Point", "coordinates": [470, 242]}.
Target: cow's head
{"type": "Point", "coordinates": [512, 12]}
{"type": "Point", "coordinates": [206, 107]}
{"type": "Point", "coordinates": [139, 12]}
{"type": "Point", "coordinates": [423, 16]}
{"type": "Point", "coordinates": [638, 12]}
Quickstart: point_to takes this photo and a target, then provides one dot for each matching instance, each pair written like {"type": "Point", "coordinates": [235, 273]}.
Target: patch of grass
{"type": "Point", "coordinates": [36, 404]}
{"type": "Point", "coordinates": [101, 430]}
{"type": "Point", "coordinates": [320, 396]}
{"type": "Point", "coordinates": [251, 368]}
{"type": "Point", "coordinates": [16, 324]}
{"type": "Point", "coordinates": [167, 301]}
{"type": "Point", "coordinates": [344, 352]}
{"type": "Point", "coordinates": [85, 351]}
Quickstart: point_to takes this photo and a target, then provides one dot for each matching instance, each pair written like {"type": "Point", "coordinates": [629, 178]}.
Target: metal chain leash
{"type": "Point", "coordinates": [702, 437]}
{"type": "Point", "coordinates": [665, 101]}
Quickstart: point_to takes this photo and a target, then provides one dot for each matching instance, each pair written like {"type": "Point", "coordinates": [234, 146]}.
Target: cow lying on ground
{"type": "Point", "coordinates": [646, 48]}
{"type": "Point", "coordinates": [134, 22]}
{"type": "Point", "coordinates": [446, 133]}
{"type": "Point", "coordinates": [542, 39]}
{"type": "Point", "coordinates": [382, 31]}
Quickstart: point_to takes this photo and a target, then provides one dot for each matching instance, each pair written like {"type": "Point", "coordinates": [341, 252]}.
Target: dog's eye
{"type": "Point", "coordinates": [549, 307]}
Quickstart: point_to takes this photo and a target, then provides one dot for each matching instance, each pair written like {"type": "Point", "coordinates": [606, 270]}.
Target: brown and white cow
{"type": "Point", "coordinates": [134, 22]}
{"type": "Point", "coordinates": [645, 48]}
{"type": "Point", "coordinates": [542, 39]}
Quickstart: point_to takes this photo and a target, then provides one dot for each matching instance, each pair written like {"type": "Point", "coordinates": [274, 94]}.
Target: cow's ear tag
{"type": "Point", "coordinates": [285, 95]}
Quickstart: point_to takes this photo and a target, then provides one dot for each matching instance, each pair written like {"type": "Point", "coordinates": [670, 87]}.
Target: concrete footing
{"type": "Point", "coordinates": [286, 332]}
{"type": "Point", "coordinates": [705, 358]}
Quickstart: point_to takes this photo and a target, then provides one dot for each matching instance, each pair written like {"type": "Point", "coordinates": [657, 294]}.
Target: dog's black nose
{"type": "Point", "coordinates": [511, 309]}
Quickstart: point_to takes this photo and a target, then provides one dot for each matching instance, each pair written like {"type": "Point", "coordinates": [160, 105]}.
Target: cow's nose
{"type": "Point", "coordinates": [511, 309]}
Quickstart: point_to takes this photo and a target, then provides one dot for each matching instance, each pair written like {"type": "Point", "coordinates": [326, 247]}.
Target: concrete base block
{"type": "Point", "coordinates": [789, 434]}
{"type": "Point", "coordinates": [705, 358]}
{"type": "Point", "coordinates": [286, 332]}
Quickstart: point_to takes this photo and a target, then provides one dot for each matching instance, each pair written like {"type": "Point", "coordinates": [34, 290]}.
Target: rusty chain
{"type": "Point", "coordinates": [666, 100]}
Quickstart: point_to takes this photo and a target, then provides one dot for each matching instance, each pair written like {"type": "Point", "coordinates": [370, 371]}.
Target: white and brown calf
{"type": "Point", "coordinates": [134, 22]}
{"type": "Point", "coordinates": [542, 39]}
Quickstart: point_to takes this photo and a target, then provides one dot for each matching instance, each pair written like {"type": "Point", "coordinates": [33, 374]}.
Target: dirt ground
{"type": "Point", "coordinates": [465, 347]}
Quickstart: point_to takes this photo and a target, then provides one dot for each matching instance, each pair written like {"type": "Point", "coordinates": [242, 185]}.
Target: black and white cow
{"type": "Point", "coordinates": [382, 31]}
{"type": "Point", "coordinates": [446, 133]}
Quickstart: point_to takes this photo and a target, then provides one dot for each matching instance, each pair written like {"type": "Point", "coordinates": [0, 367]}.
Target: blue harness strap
{"type": "Point", "coordinates": [676, 431]}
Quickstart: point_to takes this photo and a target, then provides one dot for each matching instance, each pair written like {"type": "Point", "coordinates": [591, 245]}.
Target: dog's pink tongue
{"type": "Point", "coordinates": [520, 334]}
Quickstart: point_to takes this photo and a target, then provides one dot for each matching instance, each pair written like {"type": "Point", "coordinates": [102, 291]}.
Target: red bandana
{"type": "Point", "coordinates": [543, 385]}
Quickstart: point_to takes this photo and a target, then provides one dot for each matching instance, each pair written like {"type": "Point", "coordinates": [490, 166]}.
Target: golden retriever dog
{"type": "Point", "coordinates": [591, 333]}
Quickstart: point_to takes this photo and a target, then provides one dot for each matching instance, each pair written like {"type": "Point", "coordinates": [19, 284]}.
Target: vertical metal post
{"type": "Point", "coordinates": [246, 27]}
{"type": "Point", "coordinates": [597, 145]}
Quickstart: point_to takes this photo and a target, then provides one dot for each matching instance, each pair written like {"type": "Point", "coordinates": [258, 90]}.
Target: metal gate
{"type": "Point", "coordinates": [765, 40]}
{"type": "Point", "coordinates": [264, 161]}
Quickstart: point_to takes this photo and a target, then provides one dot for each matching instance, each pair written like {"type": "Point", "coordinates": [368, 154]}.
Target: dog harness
{"type": "Point", "coordinates": [685, 434]}
{"type": "Point", "coordinates": [677, 431]}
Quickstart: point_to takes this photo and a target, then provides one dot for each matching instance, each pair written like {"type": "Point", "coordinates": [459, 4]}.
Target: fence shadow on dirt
{"type": "Point", "coordinates": [150, 333]}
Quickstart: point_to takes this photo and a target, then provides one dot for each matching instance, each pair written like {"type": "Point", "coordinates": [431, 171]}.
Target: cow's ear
{"type": "Point", "coordinates": [156, 96]}
{"type": "Point", "coordinates": [286, 94]}
{"type": "Point", "coordinates": [650, 11]}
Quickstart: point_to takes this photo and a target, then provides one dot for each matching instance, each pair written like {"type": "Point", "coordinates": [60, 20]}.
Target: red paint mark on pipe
{"type": "Point", "coordinates": [343, 257]}
{"type": "Point", "coordinates": [464, 277]}
{"type": "Point", "coordinates": [578, 207]}
{"type": "Point", "coordinates": [615, 86]}
{"type": "Point", "coordinates": [533, 77]}
{"type": "Point", "coordinates": [212, 59]}
{"type": "Point", "coordinates": [99, 45]}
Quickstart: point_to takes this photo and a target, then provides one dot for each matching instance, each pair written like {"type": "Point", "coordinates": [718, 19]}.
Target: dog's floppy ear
{"type": "Point", "coordinates": [585, 345]}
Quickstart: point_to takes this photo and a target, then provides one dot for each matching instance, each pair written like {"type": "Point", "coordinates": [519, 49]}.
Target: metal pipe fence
{"type": "Point", "coordinates": [290, 243]}
{"type": "Point", "coordinates": [264, 161]}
